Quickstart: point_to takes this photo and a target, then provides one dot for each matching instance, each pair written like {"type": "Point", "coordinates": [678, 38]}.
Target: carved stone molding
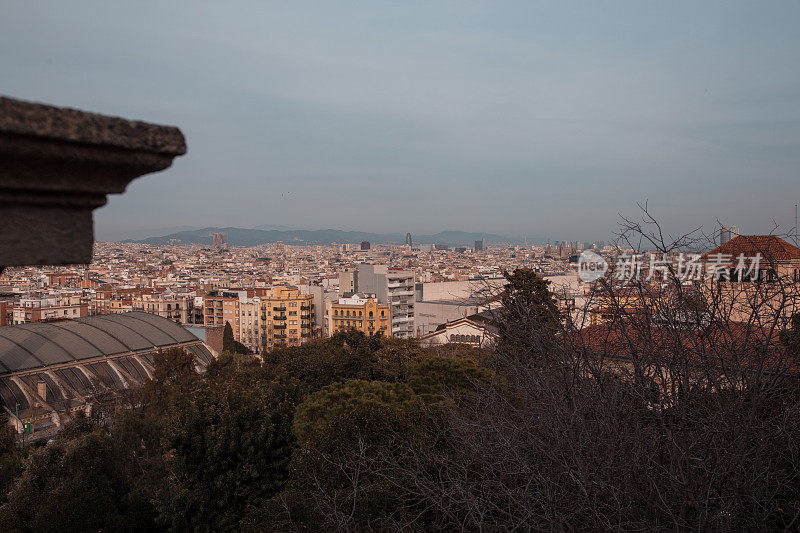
{"type": "Point", "coordinates": [57, 165]}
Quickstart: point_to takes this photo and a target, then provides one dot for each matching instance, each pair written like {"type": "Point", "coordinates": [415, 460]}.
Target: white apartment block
{"type": "Point", "coordinates": [390, 286]}
{"type": "Point", "coordinates": [249, 325]}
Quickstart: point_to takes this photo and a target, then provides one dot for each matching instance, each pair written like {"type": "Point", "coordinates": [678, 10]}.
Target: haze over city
{"type": "Point", "coordinates": [511, 118]}
{"type": "Point", "coordinates": [399, 266]}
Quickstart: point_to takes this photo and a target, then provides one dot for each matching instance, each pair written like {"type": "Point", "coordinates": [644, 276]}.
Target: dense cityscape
{"type": "Point", "coordinates": [399, 266]}
{"type": "Point", "coordinates": [426, 286]}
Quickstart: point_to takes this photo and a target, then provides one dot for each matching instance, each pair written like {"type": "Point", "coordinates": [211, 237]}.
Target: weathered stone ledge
{"type": "Point", "coordinates": [57, 165]}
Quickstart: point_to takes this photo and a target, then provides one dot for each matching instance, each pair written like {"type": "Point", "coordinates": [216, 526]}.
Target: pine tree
{"type": "Point", "coordinates": [228, 342]}
{"type": "Point", "coordinates": [530, 318]}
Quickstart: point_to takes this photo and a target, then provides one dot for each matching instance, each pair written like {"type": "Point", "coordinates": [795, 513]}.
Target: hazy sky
{"type": "Point", "coordinates": [507, 117]}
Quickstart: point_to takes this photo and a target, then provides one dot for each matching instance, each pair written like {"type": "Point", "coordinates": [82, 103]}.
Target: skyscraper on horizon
{"type": "Point", "coordinates": [727, 233]}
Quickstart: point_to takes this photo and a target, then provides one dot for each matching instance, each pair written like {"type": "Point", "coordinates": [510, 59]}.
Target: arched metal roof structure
{"type": "Point", "coordinates": [77, 358]}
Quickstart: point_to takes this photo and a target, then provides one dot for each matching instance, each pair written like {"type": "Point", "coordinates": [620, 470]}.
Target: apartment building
{"type": "Point", "coordinates": [220, 307]}
{"type": "Point", "coordinates": [116, 300]}
{"type": "Point", "coordinates": [392, 286]}
{"type": "Point", "coordinates": [42, 309]}
{"type": "Point", "coordinates": [287, 317]}
{"type": "Point", "coordinates": [249, 332]}
{"type": "Point", "coordinates": [62, 279]}
{"type": "Point", "coordinates": [175, 307]}
{"type": "Point", "coordinates": [362, 313]}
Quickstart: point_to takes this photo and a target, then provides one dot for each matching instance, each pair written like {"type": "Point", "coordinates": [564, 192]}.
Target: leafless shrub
{"type": "Point", "coordinates": [681, 410]}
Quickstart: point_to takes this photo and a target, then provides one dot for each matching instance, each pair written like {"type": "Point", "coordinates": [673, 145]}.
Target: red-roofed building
{"type": "Point", "coordinates": [778, 258]}
{"type": "Point", "coordinates": [759, 275]}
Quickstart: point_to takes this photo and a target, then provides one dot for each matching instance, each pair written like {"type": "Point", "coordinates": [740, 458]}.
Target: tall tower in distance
{"type": "Point", "coordinates": [408, 239]}
{"type": "Point", "coordinates": [727, 233]}
{"type": "Point", "coordinates": [218, 241]}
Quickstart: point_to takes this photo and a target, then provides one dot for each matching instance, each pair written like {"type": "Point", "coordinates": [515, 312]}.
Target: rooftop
{"type": "Point", "coordinates": [41, 344]}
{"type": "Point", "coordinates": [769, 246]}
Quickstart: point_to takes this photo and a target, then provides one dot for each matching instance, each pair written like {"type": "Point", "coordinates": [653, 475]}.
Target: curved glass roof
{"type": "Point", "coordinates": [40, 344]}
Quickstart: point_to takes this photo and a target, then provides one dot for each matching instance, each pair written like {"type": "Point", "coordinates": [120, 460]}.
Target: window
{"type": "Point", "coordinates": [370, 314]}
{"type": "Point", "coordinates": [452, 338]}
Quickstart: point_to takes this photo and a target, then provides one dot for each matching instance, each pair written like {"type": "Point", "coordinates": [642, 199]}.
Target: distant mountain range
{"type": "Point", "coordinates": [254, 237]}
{"type": "Point", "coordinates": [130, 235]}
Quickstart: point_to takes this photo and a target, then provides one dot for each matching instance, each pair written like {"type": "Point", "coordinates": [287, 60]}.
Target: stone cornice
{"type": "Point", "coordinates": [57, 165]}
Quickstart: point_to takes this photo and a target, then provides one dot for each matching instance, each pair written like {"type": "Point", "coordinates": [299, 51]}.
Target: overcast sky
{"type": "Point", "coordinates": [505, 117]}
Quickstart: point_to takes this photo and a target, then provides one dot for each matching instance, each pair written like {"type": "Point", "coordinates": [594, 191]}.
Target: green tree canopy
{"type": "Point", "coordinates": [530, 317]}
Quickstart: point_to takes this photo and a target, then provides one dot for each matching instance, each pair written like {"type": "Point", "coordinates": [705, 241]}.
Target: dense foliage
{"type": "Point", "coordinates": [366, 433]}
{"type": "Point", "coordinates": [229, 342]}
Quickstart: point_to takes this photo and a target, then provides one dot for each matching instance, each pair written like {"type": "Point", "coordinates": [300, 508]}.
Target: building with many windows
{"type": "Point", "coordinates": [44, 309]}
{"type": "Point", "coordinates": [220, 307]}
{"type": "Point", "coordinates": [392, 286]}
{"type": "Point", "coordinates": [175, 307]}
{"type": "Point", "coordinates": [287, 317]}
{"type": "Point", "coordinates": [249, 332]}
{"type": "Point", "coordinates": [362, 313]}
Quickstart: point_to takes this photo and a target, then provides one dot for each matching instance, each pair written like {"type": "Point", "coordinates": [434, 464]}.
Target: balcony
{"type": "Point", "coordinates": [401, 293]}
{"type": "Point", "coordinates": [281, 308]}
{"type": "Point", "coordinates": [279, 326]}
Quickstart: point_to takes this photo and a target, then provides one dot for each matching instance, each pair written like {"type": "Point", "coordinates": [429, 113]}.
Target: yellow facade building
{"type": "Point", "coordinates": [287, 317]}
{"type": "Point", "coordinates": [361, 313]}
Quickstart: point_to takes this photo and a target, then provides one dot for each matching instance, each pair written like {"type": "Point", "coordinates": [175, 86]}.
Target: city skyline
{"type": "Point", "coordinates": [399, 266]}
{"type": "Point", "coordinates": [509, 119]}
